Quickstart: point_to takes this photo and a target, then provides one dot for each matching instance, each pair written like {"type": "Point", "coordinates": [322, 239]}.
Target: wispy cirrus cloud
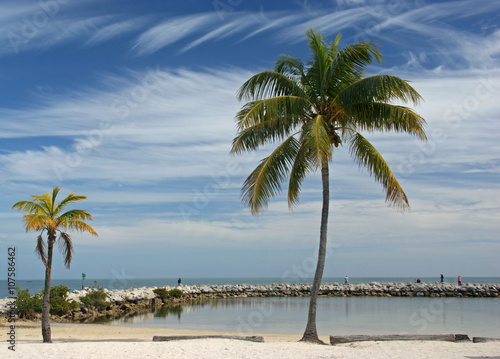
{"type": "Point", "coordinates": [451, 47]}
{"type": "Point", "coordinates": [20, 35]}
{"type": "Point", "coordinates": [115, 29]}
{"type": "Point", "coordinates": [14, 10]}
{"type": "Point", "coordinates": [171, 31]}
{"type": "Point", "coordinates": [400, 22]}
{"type": "Point", "coordinates": [29, 25]}
{"type": "Point", "coordinates": [228, 29]}
{"type": "Point", "coordinates": [330, 23]}
{"type": "Point", "coordinates": [373, 20]}
{"type": "Point", "coordinates": [171, 115]}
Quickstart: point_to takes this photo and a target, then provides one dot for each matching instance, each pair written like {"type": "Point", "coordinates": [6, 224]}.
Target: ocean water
{"type": "Point", "coordinates": [35, 286]}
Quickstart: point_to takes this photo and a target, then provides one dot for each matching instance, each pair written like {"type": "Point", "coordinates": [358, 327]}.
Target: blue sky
{"type": "Point", "coordinates": [133, 106]}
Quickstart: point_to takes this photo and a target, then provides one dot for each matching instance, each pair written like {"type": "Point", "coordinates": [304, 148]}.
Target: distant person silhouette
{"type": "Point", "coordinates": [346, 280]}
{"type": "Point", "coordinates": [179, 282]}
{"type": "Point", "coordinates": [459, 280]}
{"type": "Point", "coordinates": [442, 278]}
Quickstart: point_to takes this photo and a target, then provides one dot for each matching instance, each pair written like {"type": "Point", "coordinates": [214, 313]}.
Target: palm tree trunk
{"type": "Point", "coordinates": [46, 332]}
{"type": "Point", "coordinates": [311, 334]}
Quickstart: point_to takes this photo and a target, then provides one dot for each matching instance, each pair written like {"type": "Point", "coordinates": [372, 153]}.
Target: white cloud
{"type": "Point", "coordinates": [112, 30]}
{"type": "Point", "coordinates": [45, 25]}
{"type": "Point", "coordinates": [331, 23]}
{"type": "Point", "coordinates": [220, 33]}
{"type": "Point", "coordinates": [171, 31]}
{"type": "Point", "coordinates": [167, 117]}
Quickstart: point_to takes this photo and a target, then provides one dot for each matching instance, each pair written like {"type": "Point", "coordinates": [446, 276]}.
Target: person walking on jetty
{"type": "Point", "coordinates": [442, 278]}
{"type": "Point", "coordinates": [179, 282]}
{"type": "Point", "coordinates": [459, 280]}
{"type": "Point", "coordinates": [346, 280]}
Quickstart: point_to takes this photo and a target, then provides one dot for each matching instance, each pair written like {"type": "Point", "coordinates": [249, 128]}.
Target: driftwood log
{"type": "Point", "coordinates": [257, 339]}
{"type": "Point", "coordinates": [484, 340]}
{"type": "Point", "coordinates": [462, 338]}
{"type": "Point", "coordinates": [339, 339]}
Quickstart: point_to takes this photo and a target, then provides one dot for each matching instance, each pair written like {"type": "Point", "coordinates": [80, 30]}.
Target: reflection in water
{"type": "Point", "coordinates": [168, 310]}
{"type": "Point", "coordinates": [335, 315]}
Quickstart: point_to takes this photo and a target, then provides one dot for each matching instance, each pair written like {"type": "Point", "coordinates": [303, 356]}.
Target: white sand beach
{"type": "Point", "coordinates": [103, 341]}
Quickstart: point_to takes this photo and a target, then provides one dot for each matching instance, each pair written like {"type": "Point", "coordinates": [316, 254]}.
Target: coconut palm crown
{"type": "Point", "coordinates": [310, 110]}
{"type": "Point", "coordinates": [44, 214]}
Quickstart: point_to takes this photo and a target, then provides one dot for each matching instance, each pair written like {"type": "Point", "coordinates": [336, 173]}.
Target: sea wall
{"type": "Point", "coordinates": [128, 302]}
{"type": "Point", "coordinates": [374, 289]}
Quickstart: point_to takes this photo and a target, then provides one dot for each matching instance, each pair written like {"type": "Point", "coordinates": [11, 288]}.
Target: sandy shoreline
{"type": "Point", "coordinates": [30, 332]}
{"type": "Point", "coordinates": [104, 341]}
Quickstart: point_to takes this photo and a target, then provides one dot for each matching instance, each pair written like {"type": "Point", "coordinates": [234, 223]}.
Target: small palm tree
{"type": "Point", "coordinates": [311, 110]}
{"type": "Point", "coordinates": [44, 214]}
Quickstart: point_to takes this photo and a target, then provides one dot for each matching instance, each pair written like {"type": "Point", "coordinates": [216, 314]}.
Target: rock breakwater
{"type": "Point", "coordinates": [414, 290]}
{"type": "Point", "coordinates": [345, 290]}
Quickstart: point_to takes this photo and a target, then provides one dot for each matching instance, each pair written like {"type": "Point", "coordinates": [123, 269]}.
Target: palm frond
{"type": "Point", "coordinates": [368, 157]}
{"type": "Point", "coordinates": [55, 191]}
{"type": "Point", "coordinates": [28, 206]}
{"type": "Point", "coordinates": [318, 64]}
{"type": "Point", "coordinates": [319, 51]}
{"type": "Point", "coordinates": [301, 166]}
{"type": "Point", "coordinates": [379, 88]}
{"type": "Point", "coordinates": [282, 112]}
{"type": "Point", "coordinates": [36, 222]}
{"type": "Point", "coordinates": [334, 46]}
{"type": "Point", "coordinates": [41, 249]}
{"type": "Point", "coordinates": [78, 225]}
{"type": "Point", "coordinates": [348, 65]}
{"type": "Point", "coordinates": [250, 139]}
{"type": "Point", "coordinates": [268, 84]}
{"type": "Point", "coordinates": [265, 181]}
{"type": "Point", "coordinates": [71, 198]}
{"type": "Point", "coordinates": [385, 117]}
{"type": "Point", "coordinates": [66, 248]}
{"type": "Point", "coordinates": [45, 202]}
{"type": "Point", "coordinates": [357, 56]}
{"type": "Point", "coordinates": [74, 214]}
{"type": "Point", "coordinates": [317, 140]}
{"type": "Point", "coordinates": [289, 66]}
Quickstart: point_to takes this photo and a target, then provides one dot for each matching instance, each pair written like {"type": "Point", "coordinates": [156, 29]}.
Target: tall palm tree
{"type": "Point", "coordinates": [44, 214]}
{"type": "Point", "coordinates": [312, 109]}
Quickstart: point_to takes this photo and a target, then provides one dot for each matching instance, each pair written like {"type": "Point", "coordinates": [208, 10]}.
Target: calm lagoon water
{"type": "Point", "coordinates": [335, 316]}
